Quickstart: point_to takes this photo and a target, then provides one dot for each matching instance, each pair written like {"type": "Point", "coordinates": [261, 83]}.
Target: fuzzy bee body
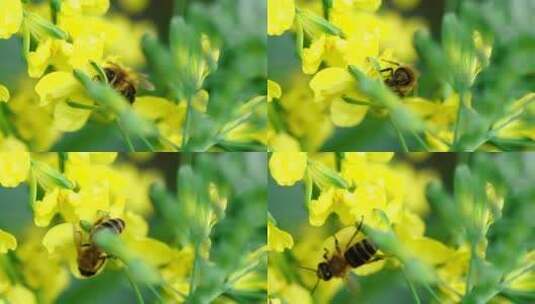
{"type": "Point", "coordinates": [360, 253]}
{"type": "Point", "coordinates": [91, 258]}
{"type": "Point", "coordinates": [125, 81]}
{"type": "Point", "coordinates": [401, 79]}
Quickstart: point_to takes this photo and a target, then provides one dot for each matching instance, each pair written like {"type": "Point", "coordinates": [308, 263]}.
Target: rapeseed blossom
{"type": "Point", "coordinates": [71, 47]}
{"type": "Point", "coordinates": [389, 198]}
{"type": "Point", "coordinates": [70, 193]}
{"type": "Point", "coordinates": [348, 53]}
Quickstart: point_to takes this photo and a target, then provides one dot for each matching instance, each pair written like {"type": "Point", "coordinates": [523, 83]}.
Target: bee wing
{"type": "Point", "coordinates": [144, 82]}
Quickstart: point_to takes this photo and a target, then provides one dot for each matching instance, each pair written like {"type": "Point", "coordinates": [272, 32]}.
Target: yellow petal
{"type": "Point", "coordinates": [20, 294]}
{"type": "Point", "coordinates": [7, 242]}
{"type": "Point", "coordinates": [39, 59]}
{"type": "Point", "coordinates": [369, 268]}
{"type": "Point", "coordinates": [153, 107]}
{"type": "Point", "coordinates": [281, 15]}
{"type": "Point", "coordinates": [330, 83]}
{"type": "Point", "coordinates": [429, 250]}
{"type": "Point", "coordinates": [59, 236]}
{"type": "Point", "coordinates": [274, 90]}
{"type": "Point", "coordinates": [85, 49]}
{"type": "Point", "coordinates": [151, 251]}
{"type": "Point", "coordinates": [367, 5]}
{"type": "Point", "coordinates": [95, 7]}
{"type": "Point", "coordinates": [56, 86]}
{"type": "Point", "coordinates": [103, 158]}
{"type": "Point", "coordinates": [283, 142]}
{"type": "Point", "coordinates": [14, 166]}
{"type": "Point", "coordinates": [288, 167]}
{"type": "Point", "coordinates": [312, 56]}
{"type": "Point", "coordinates": [45, 209]}
{"type": "Point", "coordinates": [69, 119]}
{"type": "Point", "coordinates": [10, 17]}
{"type": "Point", "coordinates": [359, 48]}
{"type": "Point", "coordinates": [4, 94]}
{"type": "Point", "coordinates": [278, 239]}
{"type": "Point", "coordinates": [380, 157]}
{"type": "Point", "coordinates": [344, 114]}
{"type": "Point", "coordinates": [321, 208]}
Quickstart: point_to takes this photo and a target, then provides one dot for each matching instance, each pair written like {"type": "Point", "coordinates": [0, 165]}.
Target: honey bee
{"type": "Point", "coordinates": [91, 258]}
{"type": "Point", "coordinates": [125, 81]}
{"type": "Point", "coordinates": [353, 256]}
{"type": "Point", "coordinates": [401, 79]}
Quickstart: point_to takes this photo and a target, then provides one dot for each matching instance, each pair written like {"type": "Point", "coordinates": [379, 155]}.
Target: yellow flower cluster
{"type": "Point", "coordinates": [352, 34]}
{"type": "Point", "coordinates": [349, 53]}
{"type": "Point", "coordinates": [388, 198]}
{"type": "Point", "coordinates": [90, 187]}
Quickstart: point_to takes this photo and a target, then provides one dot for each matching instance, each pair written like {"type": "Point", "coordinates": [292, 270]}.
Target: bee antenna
{"type": "Point", "coordinates": [307, 268]}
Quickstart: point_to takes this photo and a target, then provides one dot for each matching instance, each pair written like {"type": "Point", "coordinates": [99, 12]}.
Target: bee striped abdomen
{"type": "Point", "coordinates": [116, 225]}
{"type": "Point", "coordinates": [360, 253]}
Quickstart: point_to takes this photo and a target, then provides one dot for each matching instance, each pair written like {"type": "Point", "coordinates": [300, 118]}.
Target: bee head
{"type": "Point", "coordinates": [324, 271]}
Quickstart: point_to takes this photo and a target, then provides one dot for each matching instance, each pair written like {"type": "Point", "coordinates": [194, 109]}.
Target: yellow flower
{"type": "Point", "coordinates": [278, 239]}
{"type": "Point", "coordinates": [10, 17]}
{"type": "Point", "coordinates": [57, 86]}
{"type": "Point", "coordinates": [331, 82]}
{"type": "Point", "coordinates": [283, 142]}
{"type": "Point", "coordinates": [169, 117]}
{"type": "Point", "coordinates": [49, 276]}
{"type": "Point", "coordinates": [7, 242]}
{"type": "Point", "coordinates": [281, 14]}
{"type": "Point", "coordinates": [4, 94]}
{"type": "Point", "coordinates": [288, 167]}
{"type": "Point", "coordinates": [274, 90]}
{"type": "Point", "coordinates": [14, 165]}
{"type": "Point", "coordinates": [20, 294]}
{"type": "Point", "coordinates": [344, 114]}
{"type": "Point", "coordinates": [34, 127]}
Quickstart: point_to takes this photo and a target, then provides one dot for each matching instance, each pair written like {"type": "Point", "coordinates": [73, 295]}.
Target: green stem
{"type": "Point", "coordinates": [194, 270]}
{"type": "Point", "coordinates": [413, 290]}
{"type": "Point", "coordinates": [156, 293]}
{"type": "Point", "coordinates": [400, 135]}
{"type": "Point", "coordinates": [326, 8]}
{"type": "Point", "coordinates": [126, 138]}
{"type": "Point", "coordinates": [62, 158]}
{"type": "Point", "coordinates": [433, 294]}
{"type": "Point", "coordinates": [139, 297]}
{"type": "Point", "coordinates": [421, 141]}
{"type": "Point", "coordinates": [469, 280]}
{"type": "Point", "coordinates": [458, 121]}
{"type": "Point", "coordinates": [187, 123]}
{"type": "Point", "coordinates": [147, 143]}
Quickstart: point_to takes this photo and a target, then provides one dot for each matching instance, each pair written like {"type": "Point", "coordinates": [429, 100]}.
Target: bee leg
{"type": "Point", "coordinates": [389, 70]}
{"type": "Point", "coordinates": [326, 254]}
{"type": "Point", "coordinates": [358, 229]}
